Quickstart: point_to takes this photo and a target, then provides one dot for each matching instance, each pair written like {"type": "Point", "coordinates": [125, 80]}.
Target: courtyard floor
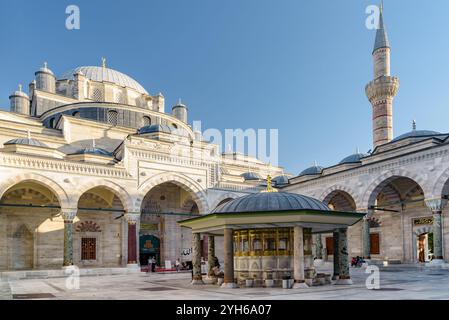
{"type": "Point", "coordinates": [396, 282]}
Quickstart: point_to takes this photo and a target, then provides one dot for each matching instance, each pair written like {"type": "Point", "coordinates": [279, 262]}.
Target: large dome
{"type": "Point", "coordinates": [102, 74]}
{"type": "Point", "coordinates": [271, 201]}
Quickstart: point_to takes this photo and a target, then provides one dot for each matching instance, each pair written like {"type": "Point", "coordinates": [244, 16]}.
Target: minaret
{"type": "Point", "coordinates": [383, 88]}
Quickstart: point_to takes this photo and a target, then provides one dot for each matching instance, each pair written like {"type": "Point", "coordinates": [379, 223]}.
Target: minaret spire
{"type": "Point", "coordinates": [382, 90]}
{"type": "Point", "coordinates": [381, 33]}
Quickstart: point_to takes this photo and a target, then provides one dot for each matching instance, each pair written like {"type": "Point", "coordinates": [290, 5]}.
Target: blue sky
{"type": "Point", "coordinates": [299, 66]}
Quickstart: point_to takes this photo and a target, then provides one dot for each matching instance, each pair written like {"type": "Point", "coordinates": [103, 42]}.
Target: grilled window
{"type": "Point", "coordinates": [88, 249]}
{"type": "Point", "coordinates": [113, 117]}
{"type": "Point", "coordinates": [146, 121]}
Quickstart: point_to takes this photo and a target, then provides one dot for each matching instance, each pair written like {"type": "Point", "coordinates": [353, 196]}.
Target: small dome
{"type": "Point", "coordinates": [20, 93]}
{"type": "Point", "coordinates": [280, 180]}
{"type": "Point", "coordinates": [249, 176]}
{"type": "Point", "coordinates": [353, 158]}
{"type": "Point", "coordinates": [271, 201]}
{"type": "Point", "coordinates": [156, 128]}
{"type": "Point", "coordinates": [45, 69]}
{"type": "Point", "coordinates": [416, 134]}
{"type": "Point", "coordinates": [316, 169]}
{"type": "Point", "coordinates": [179, 105]}
{"type": "Point", "coordinates": [94, 151]}
{"type": "Point", "coordinates": [27, 142]}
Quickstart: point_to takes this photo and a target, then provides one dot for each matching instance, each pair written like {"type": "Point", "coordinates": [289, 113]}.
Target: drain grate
{"type": "Point", "coordinates": [32, 296]}
{"type": "Point", "coordinates": [157, 289]}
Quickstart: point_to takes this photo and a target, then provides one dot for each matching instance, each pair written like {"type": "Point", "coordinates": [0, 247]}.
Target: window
{"type": "Point", "coordinates": [113, 117]}
{"type": "Point", "coordinates": [52, 122]}
{"type": "Point", "coordinates": [88, 249]}
{"type": "Point", "coordinates": [97, 95]}
{"type": "Point", "coordinates": [374, 243]}
{"type": "Point", "coordinates": [119, 98]}
{"type": "Point", "coordinates": [146, 121]}
{"type": "Point", "coordinates": [76, 114]}
{"type": "Point", "coordinates": [174, 126]}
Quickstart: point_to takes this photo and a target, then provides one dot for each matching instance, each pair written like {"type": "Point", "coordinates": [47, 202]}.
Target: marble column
{"type": "Point", "coordinates": [196, 259]}
{"type": "Point", "coordinates": [309, 270]}
{"type": "Point", "coordinates": [298, 258]}
{"type": "Point", "coordinates": [336, 255]}
{"type": "Point", "coordinates": [211, 255]}
{"type": "Point", "coordinates": [436, 206]}
{"type": "Point", "coordinates": [228, 259]}
{"type": "Point", "coordinates": [366, 237]}
{"type": "Point", "coordinates": [343, 257]}
{"type": "Point", "coordinates": [132, 220]}
{"type": "Point", "coordinates": [318, 247]}
{"type": "Point", "coordinates": [68, 215]}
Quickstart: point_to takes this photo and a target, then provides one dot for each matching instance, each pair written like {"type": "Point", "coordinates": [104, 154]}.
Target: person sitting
{"type": "Point", "coordinates": [354, 262]}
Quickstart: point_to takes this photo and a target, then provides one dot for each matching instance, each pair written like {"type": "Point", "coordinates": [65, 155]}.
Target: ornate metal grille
{"type": "Point", "coordinates": [88, 249]}
{"type": "Point", "coordinates": [113, 117]}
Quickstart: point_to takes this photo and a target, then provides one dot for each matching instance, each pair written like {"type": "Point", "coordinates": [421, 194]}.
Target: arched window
{"type": "Point", "coordinates": [76, 114]}
{"type": "Point", "coordinates": [52, 122]}
{"type": "Point", "coordinates": [113, 117]}
{"type": "Point", "coordinates": [146, 121]}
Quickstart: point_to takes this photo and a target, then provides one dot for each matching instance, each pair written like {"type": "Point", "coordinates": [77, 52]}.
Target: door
{"type": "Point", "coordinates": [330, 246]}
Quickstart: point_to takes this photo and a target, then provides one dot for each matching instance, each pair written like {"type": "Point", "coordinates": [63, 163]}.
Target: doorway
{"type": "Point", "coordinates": [425, 247]}
{"type": "Point", "coordinates": [149, 248]}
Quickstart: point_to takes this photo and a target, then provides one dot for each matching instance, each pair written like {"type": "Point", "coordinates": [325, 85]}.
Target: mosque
{"type": "Point", "coordinates": [95, 173]}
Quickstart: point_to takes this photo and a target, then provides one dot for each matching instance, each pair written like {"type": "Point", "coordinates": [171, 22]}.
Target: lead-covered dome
{"type": "Point", "coordinates": [250, 176]}
{"type": "Point", "coordinates": [353, 158]}
{"type": "Point", "coordinates": [417, 134]}
{"type": "Point", "coordinates": [26, 142]}
{"type": "Point", "coordinates": [271, 201]}
{"type": "Point", "coordinates": [103, 74]}
{"type": "Point", "coordinates": [313, 170]}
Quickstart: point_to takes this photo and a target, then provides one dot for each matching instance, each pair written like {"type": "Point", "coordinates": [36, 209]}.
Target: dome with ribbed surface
{"type": "Point", "coordinates": [102, 74]}
{"type": "Point", "coordinates": [271, 201]}
{"type": "Point", "coordinates": [311, 171]}
{"type": "Point", "coordinates": [280, 180]}
{"type": "Point", "coordinates": [417, 134]}
{"type": "Point", "coordinates": [27, 142]}
{"type": "Point", "coordinates": [248, 176]}
{"type": "Point", "coordinates": [94, 151]}
{"type": "Point", "coordinates": [353, 158]}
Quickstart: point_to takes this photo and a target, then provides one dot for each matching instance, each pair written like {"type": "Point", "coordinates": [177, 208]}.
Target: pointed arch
{"type": "Point", "coordinates": [223, 197]}
{"type": "Point", "coordinates": [116, 189]}
{"type": "Point", "coordinates": [441, 186]}
{"type": "Point", "coordinates": [370, 194]}
{"type": "Point", "coordinates": [44, 181]}
{"type": "Point", "coordinates": [327, 195]}
{"type": "Point", "coordinates": [181, 181]}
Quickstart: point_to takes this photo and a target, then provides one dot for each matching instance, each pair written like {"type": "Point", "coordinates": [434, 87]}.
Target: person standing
{"type": "Point", "coordinates": [177, 265]}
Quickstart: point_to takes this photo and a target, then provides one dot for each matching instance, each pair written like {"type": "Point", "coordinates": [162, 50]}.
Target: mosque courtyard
{"type": "Point", "coordinates": [397, 282]}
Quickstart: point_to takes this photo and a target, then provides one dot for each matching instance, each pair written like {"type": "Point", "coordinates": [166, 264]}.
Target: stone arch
{"type": "Point", "coordinates": [119, 191]}
{"type": "Point", "coordinates": [327, 195]}
{"type": "Point", "coordinates": [59, 191]}
{"type": "Point", "coordinates": [370, 194]}
{"type": "Point", "coordinates": [181, 181]}
{"type": "Point", "coordinates": [441, 186]}
{"type": "Point", "coordinates": [422, 230]}
{"type": "Point", "coordinates": [223, 197]}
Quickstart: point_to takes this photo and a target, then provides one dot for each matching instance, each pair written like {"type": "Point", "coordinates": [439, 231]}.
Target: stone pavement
{"type": "Point", "coordinates": [396, 282]}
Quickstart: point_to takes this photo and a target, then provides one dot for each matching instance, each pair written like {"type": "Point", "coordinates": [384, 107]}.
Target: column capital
{"type": "Point", "coordinates": [68, 214]}
{"type": "Point", "coordinates": [132, 217]}
{"type": "Point", "coordinates": [436, 204]}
